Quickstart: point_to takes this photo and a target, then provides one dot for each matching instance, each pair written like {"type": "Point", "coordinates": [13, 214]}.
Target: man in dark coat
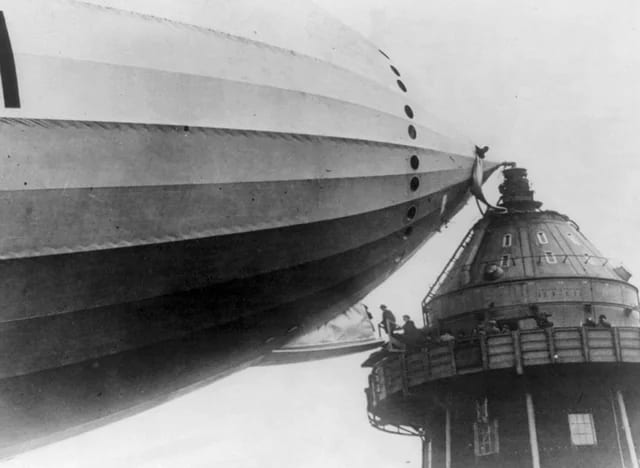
{"type": "Point", "coordinates": [388, 320]}
{"type": "Point", "coordinates": [411, 334]}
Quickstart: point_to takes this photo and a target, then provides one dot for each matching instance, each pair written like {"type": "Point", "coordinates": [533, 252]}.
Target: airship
{"type": "Point", "coordinates": [199, 182]}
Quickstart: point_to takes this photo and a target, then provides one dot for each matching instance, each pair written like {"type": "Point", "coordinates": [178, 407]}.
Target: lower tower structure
{"type": "Point", "coordinates": [530, 355]}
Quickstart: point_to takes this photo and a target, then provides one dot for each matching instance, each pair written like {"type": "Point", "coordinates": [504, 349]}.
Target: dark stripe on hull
{"type": "Point", "coordinates": [90, 332]}
{"type": "Point", "coordinates": [49, 285]}
{"type": "Point", "coordinates": [84, 395]}
{"type": "Point", "coordinates": [91, 393]}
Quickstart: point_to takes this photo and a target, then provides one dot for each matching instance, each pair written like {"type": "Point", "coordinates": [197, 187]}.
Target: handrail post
{"type": "Point", "coordinates": [371, 394]}
{"type": "Point", "coordinates": [384, 383]}
{"type": "Point", "coordinates": [484, 352]}
{"type": "Point", "coordinates": [426, 359]}
{"type": "Point", "coordinates": [616, 343]}
{"type": "Point", "coordinates": [403, 374]}
{"type": "Point", "coordinates": [585, 344]}
{"type": "Point", "coordinates": [454, 368]}
{"type": "Point", "coordinates": [517, 352]}
{"type": "Point", "coordinates": [551, 344]}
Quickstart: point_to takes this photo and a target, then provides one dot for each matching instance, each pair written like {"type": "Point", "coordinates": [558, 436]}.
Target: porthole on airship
{"type": "Point", "coordinates": [414, 162]}
{"type": "Point", "coordinates": [409, 111]}
{"type": "Point", "coordinates": [414, 184]}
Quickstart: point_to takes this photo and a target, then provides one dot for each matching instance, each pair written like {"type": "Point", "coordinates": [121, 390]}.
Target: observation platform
{"type": "Point", "coordinates": [400, 371]}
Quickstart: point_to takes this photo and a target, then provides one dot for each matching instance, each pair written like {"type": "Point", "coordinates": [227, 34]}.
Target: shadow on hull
{"type": "Point", "coordinates": [43, 407]}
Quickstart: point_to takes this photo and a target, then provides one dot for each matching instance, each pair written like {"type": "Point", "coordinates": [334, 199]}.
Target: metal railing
{"type": "Point", "coordinates": [400, 371]}
{"type": "Point", "coordinates": [447, 274]}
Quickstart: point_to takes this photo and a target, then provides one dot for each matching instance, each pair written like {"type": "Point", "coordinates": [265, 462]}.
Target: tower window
{"type": "Point", "coordinates": [506, 240]}
{"type": "Point", "coordinates": [485, 431]}
{"type": "Point", "coordinates": [550, 257]}
{"type": "Point", "coordinates": [542, 237]}
{"type": "Point", "coordinates": [583, 431]}
{"type": "Point", "coordinates": [505, 261]}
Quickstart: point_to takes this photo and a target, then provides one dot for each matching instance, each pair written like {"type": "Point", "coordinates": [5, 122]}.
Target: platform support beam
{"type": "Point", "coordinates": [533, 434]}
{"type": "Point", "coordinates": [426, 452]}
{"type": "Point", "coordinates": [627, 430]}
{"type": "Point", "coordinates": [447, 439]}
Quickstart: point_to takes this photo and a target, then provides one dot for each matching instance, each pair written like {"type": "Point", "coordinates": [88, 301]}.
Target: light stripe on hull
{"type": "Point", "coordinates": [72, 154]}
{"type": "Point", "coordinates": [118, 66]}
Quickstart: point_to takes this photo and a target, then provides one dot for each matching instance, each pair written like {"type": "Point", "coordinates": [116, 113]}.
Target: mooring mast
{"type": "Point", "coordinates": [544, 367]}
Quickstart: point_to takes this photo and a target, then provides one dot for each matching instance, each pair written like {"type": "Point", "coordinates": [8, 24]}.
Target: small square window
{"type": "Point", "coordinates": [485, 438]}
{"type": "Point", "coordinates": [582, 429]}
{"type": "Point", "coordinates": [550, 257]}
{"type": "Point", "coordinates": [505, 261]}
{"type": "Point", "coordinates": [506, 240]}
{"type": "Point", "coordinates": [542, 237]}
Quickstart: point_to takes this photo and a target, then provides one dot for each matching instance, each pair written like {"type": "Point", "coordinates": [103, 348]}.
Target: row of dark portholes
{"type": "Point", "coordinates": [407, 109]}
{"type": "Point", "coordinates": [414, 161]}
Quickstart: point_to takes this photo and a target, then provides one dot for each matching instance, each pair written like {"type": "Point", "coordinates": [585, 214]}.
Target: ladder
{"type": "Point", "coordinates": [445, 272]}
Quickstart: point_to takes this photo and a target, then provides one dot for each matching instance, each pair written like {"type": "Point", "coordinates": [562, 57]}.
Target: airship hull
{"type": "Point", "coordinates": [230, 176]}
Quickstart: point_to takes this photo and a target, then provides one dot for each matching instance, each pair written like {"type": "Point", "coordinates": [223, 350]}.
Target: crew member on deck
{"type": "Point", "coordinates": [411, 335]}
{"type": "Point", "coordinates": [603, 322]}
{"type": "Point", "coordinates": [388, 320]}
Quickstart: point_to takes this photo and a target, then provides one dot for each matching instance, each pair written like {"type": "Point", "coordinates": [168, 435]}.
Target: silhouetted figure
{"type": "Point", "coordinates": [541, 318]}
{"type": "Point", "coordinates": [505, 329]}
{"type": "Point", "coordinates": [492, 328]}
{"type": "Point", "coordinates": [603, 322]}
{"type": "Point", "coordinates": [411, 335]}
{"type": "Point", "coordinates": [589, 323]}
{"type": "Point", "coordinates": [544, 322]}
{"type": "Point", "coordinates": [388, 320]}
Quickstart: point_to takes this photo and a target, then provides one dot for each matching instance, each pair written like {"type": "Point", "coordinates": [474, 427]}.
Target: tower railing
{"type": "Point", "coordinates": [444, 274]}
{"type": "Point", "coordinates": [398, 372]}
{"type": "Point", "coordinates": [448, 272]}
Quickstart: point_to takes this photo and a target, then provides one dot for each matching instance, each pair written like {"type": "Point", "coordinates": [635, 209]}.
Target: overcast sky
{"type": "Point", "coordinates": [552, 85]}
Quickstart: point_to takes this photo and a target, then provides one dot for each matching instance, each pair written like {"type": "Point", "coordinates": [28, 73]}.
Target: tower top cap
{"type": "Point", "coordinates": [516, 192]}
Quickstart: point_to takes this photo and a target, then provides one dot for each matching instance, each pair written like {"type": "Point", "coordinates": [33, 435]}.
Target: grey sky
{"type": "Point", "coordinates": [552, 85]}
